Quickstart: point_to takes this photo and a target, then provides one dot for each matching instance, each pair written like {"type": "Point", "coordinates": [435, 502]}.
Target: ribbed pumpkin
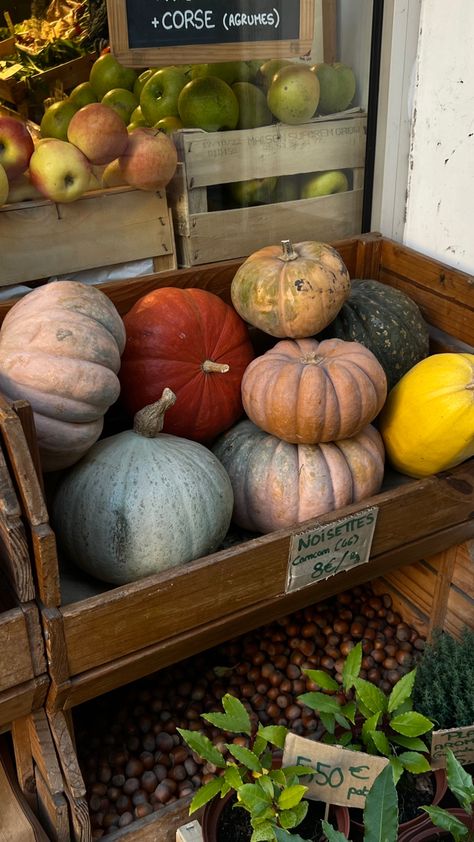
{"type": "Point", "coordinates": [291, 291]}
{"type": "Point", "coordinates": [428, 420]}
{"type": "Point", "coordinates": [195, 343]}
{"type": "Point", "coordinates": [277, 485]}
{"type": "Point", "coordinates": [387, 322]}
{"type": "Point", "coordinates": [60, 349]}
{"type": "Point", "coordinates": [306, 392]}
{"type": "Point", "coordinates": [141, 502]}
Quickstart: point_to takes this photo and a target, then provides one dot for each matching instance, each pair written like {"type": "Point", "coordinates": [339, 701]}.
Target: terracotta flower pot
{"type": "Point", "coordinates": [427, 831]}
{"type": "Point", "coordinates": [441, 785]}
{"type": "Point", "coordinates": [339, 816]}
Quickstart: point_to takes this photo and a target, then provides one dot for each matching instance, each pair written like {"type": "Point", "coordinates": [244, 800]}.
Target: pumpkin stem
{"type": "Point", "coordinates": [209, 366]}
{"type": "Point", "coordinates": [149, 421]}
{"type": "Point", "coordinates": [288, 252]}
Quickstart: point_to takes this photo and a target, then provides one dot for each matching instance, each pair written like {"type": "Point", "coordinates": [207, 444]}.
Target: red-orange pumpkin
{"type": "Point", "coordinates": [305, 392]}
{"type": "Point", "coordinates": [277, 485]}
{"type": "Point", "coordinates": [193, 342]}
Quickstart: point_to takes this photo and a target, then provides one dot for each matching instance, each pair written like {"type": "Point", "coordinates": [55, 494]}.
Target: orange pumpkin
{"type": "Point", "coordinates": [277, 485]}
{"type": "Point", "coordinates": [306, 392]}
{"type": "Point", "coordinates": [288, 290]}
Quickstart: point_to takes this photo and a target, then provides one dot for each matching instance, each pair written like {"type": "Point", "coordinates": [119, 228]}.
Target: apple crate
{"type": "Point", "coordinates": [40, 239]}
{"type": "Point", "coordinates": [207, 159]}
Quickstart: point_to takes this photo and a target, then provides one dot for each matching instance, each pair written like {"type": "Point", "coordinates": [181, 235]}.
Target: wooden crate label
{"type": "Point", "coordinates": [341, 776]}
{"type": "Point", "coordinates": [323, 551]}
{"type": "Point", "coordinates": [459, 740]}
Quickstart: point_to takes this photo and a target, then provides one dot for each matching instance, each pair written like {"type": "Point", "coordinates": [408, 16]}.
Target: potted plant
{"type": "Point", "coordinates": [444, 680]}
{"type": "Point", "coordinates": [380, 813]}
{"type": "Point", "coordinates": [451, 823]}
{"type": "Point", "coordinates": [359, 715]}
{"type": "Point", "coordinates": [252, 796]}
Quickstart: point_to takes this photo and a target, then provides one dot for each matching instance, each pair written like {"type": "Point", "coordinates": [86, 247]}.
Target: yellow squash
{"type": "Point", "coordinates": [427, 423]}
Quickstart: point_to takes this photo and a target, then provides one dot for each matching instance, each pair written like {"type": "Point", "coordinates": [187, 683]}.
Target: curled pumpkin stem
{"type": "Point", "coordinates": [210, 366]}
{"type": "Point", "coordinates": [149, 421]}
{"type": "Point", "coordinates": [288, 252]}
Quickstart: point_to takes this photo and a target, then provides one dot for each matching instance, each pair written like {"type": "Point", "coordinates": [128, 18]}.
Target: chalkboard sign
{"type": "Point", "coordinates": [145, 33]}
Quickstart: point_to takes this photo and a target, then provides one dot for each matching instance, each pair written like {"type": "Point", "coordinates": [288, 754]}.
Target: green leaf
{"type": "Point", "coordinates": [401, 691]}
{"type": "Point", "coordinates": [371, 696]}
{"type": "Point", "coordinates": [202, 746]}
{"type": "Point", "coordinates": [291, 797]}
{"type": "Point", "coordinates": [441, 818]}
{"type": "Point", "coordinates": [459, 781]}
{"type": "Point", "coordinates": [351, 668]}
{"type": "Point", "coordinates": [297, 771]}
{"type": "Point", "coordinates": [397, 768]}
{"type": "Point", "coordinates": [322, 679]}
{"type": "Point", "coordinates": [274, 734]}
{"type": "Point", "coordinates": [369, 725]}
{"type": "Point", "coordinates": [381, 809]}
{"type": "Point", "coordinates": [282, 835]}
{"type": "Point", "coordinates": [411, 724]}
{"type": "Point", "coordinates": [232, 777]}
{"type": "Point", "coordinates": [265, 783]}
{"type": "Point", "coordinates": [300, 811]}
{"type": "Point", "coordinates": [329, 721]}
{"type": "Point", "coordinates": [254, 799]}
{"type": "Point", "coordinates": [278, 776]}
{"type": "Point", "coordinates": [343, 722]}
{"type": "Point", "coordinates": [381, 743]}
{"type": "Point", "coordinates": [404, 707]}
{"type": "Point", "coordinates": [235, 719]}
{"type": "Point", "coordinates": [263, 833]}
{"type": "Point", "coordinates": [205, 793]}
{"type": "Point", "coordinates": [287, 818]}
{"type": "Point", "coordinates": [345, 739]}
{"type": "Point", "coordinates": [414, 762]}
{"type": "Point", "coordinates": [245, 756]}
{"type": "Point", "coordinates": [411, 743]}
{"type": "Point", "coordinates": [330, 833]}
{"type": "Point", "coordinates": [349, 710]}
{"type": "Point", "coordinates": [320, 702]}
{"type": "Point", "coordinates": [259, 745]}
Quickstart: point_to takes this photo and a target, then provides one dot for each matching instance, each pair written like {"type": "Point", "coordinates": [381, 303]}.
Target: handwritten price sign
{"type": "Point", "coordinates": [340, 776]}
{"type": "Point", "coordinates": [323, 551]}
{"type": "Point", "coordinates": [459, 740]}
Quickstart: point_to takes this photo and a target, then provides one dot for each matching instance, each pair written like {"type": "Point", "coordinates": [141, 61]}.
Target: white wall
{"type": "Point", "coordinates": [440, 195]}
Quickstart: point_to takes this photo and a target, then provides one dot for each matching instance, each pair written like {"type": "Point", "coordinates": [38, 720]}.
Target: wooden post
{"type": "Point", "coordinates": [444, 563]}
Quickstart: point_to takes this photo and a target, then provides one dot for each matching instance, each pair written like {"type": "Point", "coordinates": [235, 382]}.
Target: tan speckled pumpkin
{"type": "Point", "coordinates": [291, 290]}
{"type": "Point", "coordinates": [306, 392]}
{"type": "Point", "coordinates": [277, 485]}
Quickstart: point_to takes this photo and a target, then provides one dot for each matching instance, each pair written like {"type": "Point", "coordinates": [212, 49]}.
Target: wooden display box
{"type": "Point", "coordinates": [40, 239]}
{"type": "Point", "coordinates": [28, 96]}
{"type": "Point", "coordinates": [119, 634]}
{"type": "Point", "coordinates": [326, 143]}
{"type": "Point", "coordinates": [23, 678]}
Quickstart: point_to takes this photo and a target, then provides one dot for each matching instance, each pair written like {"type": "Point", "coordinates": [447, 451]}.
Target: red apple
{"type": "Point", "coordinates": [150, 159]}
{"type": "Point", "coordinates": [59, 170]}
{"type": "Point", "coordinates": [16, 146]}
{"type": "Point", "coordinates": [99, 132]}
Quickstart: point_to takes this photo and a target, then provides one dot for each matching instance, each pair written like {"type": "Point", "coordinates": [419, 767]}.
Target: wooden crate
{"type": "Point", "coordinates": [207, 159]}
{"type": "Point", "coordinates": [164, 618]}
{"type": "Point", "coordinates": [40, 238]}
{"type": "Point", "coordinates": [28, 96]}
{"type": "Point", "coordinates": [23, 678]}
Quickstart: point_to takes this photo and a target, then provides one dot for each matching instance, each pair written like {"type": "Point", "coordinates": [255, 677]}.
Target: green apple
{"type": "Point", "coordinates": [159, 97]}
{"type": "Point", "coordinates": [287, 189]}
{"type": "Point", "coordinates": [229, 71]}
{"type": "Point", "coordinates": [141, 79]}
{"type": "Point", "coordinates": [137, 117]}
{"type": "Point", "coordinates": [107, 73]}
{"type": "Point", "coordinates": [338, 85]}
{"type": "Point", "coordinates": [293, 95]}
{"type": "Point", "coordinates": [208, 103]}
{"type": "Point", "coordinates": [267, 71]}
{"type": "Point", "coordinates": [253, 108]}
{"type": "Point", "coordinates": [168, 125]}
{"type": "Point", "coordinates": [123, 101]}
{"type": "Point", "coordinates": [254, 66]}
{"type": "Point", "coordinates": [56, 119]}
{"type": "Point", "coordinates": [323, 183]}
{"type": "Point", "coordinates": [82, 94]}
{"type": "Point", "coordinates": [59, 170]}
{"type": "Point", "coordinates": [255, 191]}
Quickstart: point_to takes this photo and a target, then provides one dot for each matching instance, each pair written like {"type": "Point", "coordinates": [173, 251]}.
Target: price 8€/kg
{"type": "Point", "coordinates": [325, 550]}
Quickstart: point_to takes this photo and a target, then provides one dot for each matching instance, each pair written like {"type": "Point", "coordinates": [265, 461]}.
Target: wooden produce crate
{"type": "Point", "coordinates": [23, 678]}
{"type": "Point", "coordinates": [107, 637]}
{"type": "Point", "coordinates": [40, 239]}
{"type": "Point", "coordinates": [28, 95]}
{"type": "Point", "coordinates": [326, 143]}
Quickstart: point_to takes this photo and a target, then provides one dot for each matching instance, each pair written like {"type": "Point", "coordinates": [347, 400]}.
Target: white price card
{"type": "Point", "coordinates": [325, 550]}
{"type": "Point", "coordinates": [341, 776]}
{"type": "Point", "coordinates": [459, 740]}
